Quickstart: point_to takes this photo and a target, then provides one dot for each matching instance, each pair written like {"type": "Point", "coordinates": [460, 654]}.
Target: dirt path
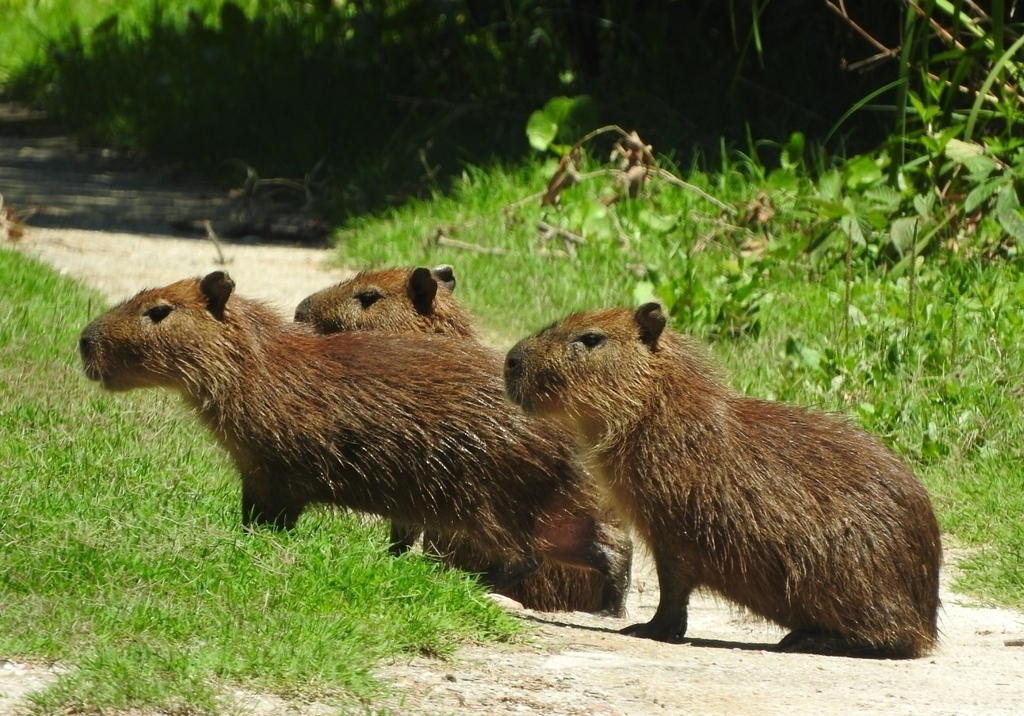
{"type": "Point", "coordinates": [574, 664]}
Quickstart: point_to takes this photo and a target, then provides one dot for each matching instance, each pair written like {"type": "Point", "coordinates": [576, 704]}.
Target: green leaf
{"type": "Point", "coordinates": [981, 193]}
{"type": "Point", "coordinates": [657, 223]}
{"type": "Point", "coordinates": [857, 317]}
{"type": "Point", "coordinates": [541, 130]}
{"type": "Point", "coordinates": [643, 292]}
{"type": "Point", "coordinates": [830, 186]}
{"type": "Point", "coordinates": [923, 205]}
{"type": "Point", "coordinates": [784, 180]}
{"type": "Point", "coordinates": [904, 232]}
{"type": "Point", "coordinates": [972, 156]}
{"type": "Point", "coordinates": [810, 358]}
{"type": "Point", "coordinates": [850, 223]}
{"type": "Point", "coordinates": [863, 171]}
{"type": "Point", "coordinates": [1008, 212]}
{"type": "Point", "coordinates": [561, 118]}
{"type": "Point", "coordinates": [884, 198]}
{"type": "Point", "coordinates": [793, 151]}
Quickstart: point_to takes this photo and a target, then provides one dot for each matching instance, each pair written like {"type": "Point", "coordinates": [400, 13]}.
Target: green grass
{"type": "Point", "coordinates": [933, 365]}
{"type": "Point", "coordinates": [124, 558]}
{"type": "Point", "coordinates": [30, 25]}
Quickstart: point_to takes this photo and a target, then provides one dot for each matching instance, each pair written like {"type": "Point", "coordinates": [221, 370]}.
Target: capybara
{"type": "Point", "coordinates": [419, 300]}
{"type": "Point", "coordinates": [798, 516]}
{"type": "Point", "coordinates": [395, 300]}
{"type": "Point", "coordinates": [399, 300]}
{"type": "Point", "coordinates": [418, 431]}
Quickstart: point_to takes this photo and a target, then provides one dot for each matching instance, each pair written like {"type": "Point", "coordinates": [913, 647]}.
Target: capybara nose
{"type": "Point", "coordinates": [85, 346]}
{"type": "Point", "coordinates": [514, 361]}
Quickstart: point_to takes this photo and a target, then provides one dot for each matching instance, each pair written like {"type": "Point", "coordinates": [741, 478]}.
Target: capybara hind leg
{"type": "Point", "coordinates": [581, 541]}
{"type": "Point", "coordinates": [809, 641]}
{"type": "Point", "coordinates": [502, 576]}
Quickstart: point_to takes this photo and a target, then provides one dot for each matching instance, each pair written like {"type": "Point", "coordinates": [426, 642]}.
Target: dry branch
{"type": "Point", "coordinates": [443, 240]}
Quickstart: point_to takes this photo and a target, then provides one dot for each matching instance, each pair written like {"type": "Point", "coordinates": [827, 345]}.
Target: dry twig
{"type": "Point", "coordinates": [212, 236]}
{"type": "Point", "coordinates": [441, 240]}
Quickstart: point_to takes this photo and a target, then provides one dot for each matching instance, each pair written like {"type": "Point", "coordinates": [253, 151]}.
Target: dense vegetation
{"type": "Point", "coordinates": [375, 101]}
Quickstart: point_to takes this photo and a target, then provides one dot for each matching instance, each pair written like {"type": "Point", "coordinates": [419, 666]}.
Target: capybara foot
{"type": "Point", "coordinates": [278, 518]}
{"type": "Point", "coordinates": [671, 632]}
{"type": "Point", "coordinates": [805, 641]}
{"type": "Point", "coordinates": [402, 539]}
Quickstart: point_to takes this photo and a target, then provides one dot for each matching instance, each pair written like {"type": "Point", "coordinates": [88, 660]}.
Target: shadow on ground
{"type": "Point", "coordinates": [52, 182]}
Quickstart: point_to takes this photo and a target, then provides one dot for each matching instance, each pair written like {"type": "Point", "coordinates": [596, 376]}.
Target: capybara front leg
{"type": "Point", "coordinates": [669, 622]}
{"type": "Point", "coordinates": [403, 537]}
{"type": "Point", "coordinates": [261, 507]}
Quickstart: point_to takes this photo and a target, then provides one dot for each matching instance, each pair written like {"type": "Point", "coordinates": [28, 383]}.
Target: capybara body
{"type": "Point", "coordinates": [419, 300]}
{"type": "Point", "coordinates": [369, 421]}
{"type": "Point", "coordinates": [798, 516]}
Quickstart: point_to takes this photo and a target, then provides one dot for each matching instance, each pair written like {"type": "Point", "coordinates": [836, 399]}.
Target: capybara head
{"type": "Point", "coordinates": [158, 334]}
{"type": "Point", "coordinates": [398, 300]}
{"type": "Point", "coordinates": [589, 366]}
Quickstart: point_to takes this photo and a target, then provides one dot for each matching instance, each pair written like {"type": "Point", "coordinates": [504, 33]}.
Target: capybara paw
{"type": "Point", "coordinates": [656, 631]}
{"type": "Point", "coordinates": [402, 539]}
{"type": "Point", "coordinates": [614, 611]}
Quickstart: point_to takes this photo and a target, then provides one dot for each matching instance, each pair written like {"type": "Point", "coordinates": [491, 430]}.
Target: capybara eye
{"type": "Point", "coordinates": [591, 340]}
{"type": "Point", "coordinates": [369, 297]}
{"type": "Point", "coordinates": [158, 313]}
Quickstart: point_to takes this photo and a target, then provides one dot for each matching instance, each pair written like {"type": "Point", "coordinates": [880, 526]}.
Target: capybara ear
{"type": "Point", "coordinates": [444, 275]}
{"type": "Point", "coordinates": [422, 289]}
{"type": "Point", "coordinates": [651, 320]}
{"type": "Point", "coordinates": [217, 288]}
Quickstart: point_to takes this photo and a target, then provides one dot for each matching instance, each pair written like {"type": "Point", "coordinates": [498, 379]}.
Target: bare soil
{"type": "Point", "coordinates": [111, 225]}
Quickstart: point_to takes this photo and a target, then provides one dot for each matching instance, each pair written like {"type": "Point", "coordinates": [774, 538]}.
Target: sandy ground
{"type": "Point", "coordinates": [573, 663]}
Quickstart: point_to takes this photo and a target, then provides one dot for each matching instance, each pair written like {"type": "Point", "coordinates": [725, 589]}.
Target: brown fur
{"type": "Point", "coordinates": [398, 300]}
{"type": "Point", "coordinates": [798, 516]}
{"type": "Point", "coordinates": [407, 300]}
{"type": "Point", "coordinates": [368, 421]}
